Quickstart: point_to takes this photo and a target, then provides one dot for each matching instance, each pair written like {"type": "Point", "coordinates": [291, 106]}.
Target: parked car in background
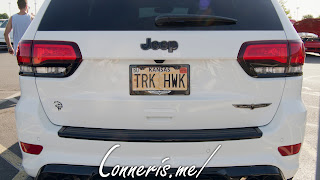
{"type": "Point", "coordinates": [2, 20]}
{"type": "Point", "coordinates": [305, 35]}
{"type": "Point", "coordinates": [308, 26]}
{"type": "Point", "coordinates": [312, 45]}
{"type": "Point", "coordinates": [309, 32]}
{"type": "Point", "coordinates": [2, 40]}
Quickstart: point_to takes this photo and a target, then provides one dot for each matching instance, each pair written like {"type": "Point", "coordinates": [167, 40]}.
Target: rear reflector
{"type": "Point", "coordinates": [272, 58]}
{"type": "Point", "coordinates": [289, 150]}
{"type": "Point", "coordinates": [31, 148]}
{"type": "Point", "coordinates": [48, 58]}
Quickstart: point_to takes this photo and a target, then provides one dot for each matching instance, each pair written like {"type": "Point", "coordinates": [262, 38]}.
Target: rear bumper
{"type": "Point", "coordinates": [286, 128]}
{"type": "Point", "coordinates": [224, 173]}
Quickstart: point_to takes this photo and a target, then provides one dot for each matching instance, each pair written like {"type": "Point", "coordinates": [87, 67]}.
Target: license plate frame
{"type": "Point", "coordinates": [160, 92]}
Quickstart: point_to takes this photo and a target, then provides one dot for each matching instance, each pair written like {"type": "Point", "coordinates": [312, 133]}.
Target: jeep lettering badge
{"type": "Point", "coordinates": [164, 45]}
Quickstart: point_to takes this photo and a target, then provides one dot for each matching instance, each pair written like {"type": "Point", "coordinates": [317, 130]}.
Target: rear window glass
{"type": "Point", "coordinates": [139, 15]}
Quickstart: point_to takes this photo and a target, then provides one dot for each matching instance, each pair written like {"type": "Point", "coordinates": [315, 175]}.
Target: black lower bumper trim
{"type": "Point", "coordinates": [55, 171]}
{"type": "Point", "coordinates": [160, 135]}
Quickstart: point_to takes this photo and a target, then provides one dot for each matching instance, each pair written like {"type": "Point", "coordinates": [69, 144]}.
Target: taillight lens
{"type": "Point", "coordinates": [272, 58]}
{"type": "Point", "coordinates": [297, 53]}
{"type": "Point", "coordinates": [24, 53]}
{"type": "Point", "coordinates": [48, 58]}
{"type": "Point", "coordinates": [289, 150]}
{"type": "Point", "coordinates": [31, 148]}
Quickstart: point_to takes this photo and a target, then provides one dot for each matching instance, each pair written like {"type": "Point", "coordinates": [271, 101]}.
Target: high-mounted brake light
{"type": "Point", "coordinates": [48, 58]}
{"type": "Point", "coordinates": [272, 58]}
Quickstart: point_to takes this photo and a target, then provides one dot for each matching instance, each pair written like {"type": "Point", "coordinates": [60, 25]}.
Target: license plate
{"type": "Point", "coordinates": [160, 79]}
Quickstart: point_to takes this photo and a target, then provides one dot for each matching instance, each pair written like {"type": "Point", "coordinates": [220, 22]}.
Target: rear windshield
{"type": "Point", "coordinates": [139, 15]}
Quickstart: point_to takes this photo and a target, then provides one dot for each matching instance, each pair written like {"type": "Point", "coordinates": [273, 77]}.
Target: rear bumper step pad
{"type": "Point", "coordinates": [129, 135]}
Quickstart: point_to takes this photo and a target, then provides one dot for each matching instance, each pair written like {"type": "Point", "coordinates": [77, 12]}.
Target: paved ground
{"type": "Point", "coordinates": [311, 98]}
{"type": "Point", "coordinates": [10, 155]}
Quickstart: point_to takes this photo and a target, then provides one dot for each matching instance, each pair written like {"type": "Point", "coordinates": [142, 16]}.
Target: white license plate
{"type": "Point", "coordinates": [160, 79]}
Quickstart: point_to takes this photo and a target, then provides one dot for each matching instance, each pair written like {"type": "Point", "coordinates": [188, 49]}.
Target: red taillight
{"type": "Point", "coordinates": [31, 148]}
{"type": "Point", "coordinates": [297, 53]}
{"type": "Point", "coordinates": [259, 52]}
{"type": "Point", "coordinates": [272, 58]}
{"type": "Point", "coordinates": [54, 52]}
{"type": "Point", "coordinates": [289, 150]}
{"type": "Point", "coordinates": [48, 58]}
{"type": "Point", "coordinates": [24, 53]}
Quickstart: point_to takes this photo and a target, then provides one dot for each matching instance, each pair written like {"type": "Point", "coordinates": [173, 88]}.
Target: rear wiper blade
{"type": "Point", "coordinates": [192, 20]}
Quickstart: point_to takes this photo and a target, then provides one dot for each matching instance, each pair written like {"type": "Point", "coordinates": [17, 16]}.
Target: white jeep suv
{"type": "Point", "coordinates": [180, 80]}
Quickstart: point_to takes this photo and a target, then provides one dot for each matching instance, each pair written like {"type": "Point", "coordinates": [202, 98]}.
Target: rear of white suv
{"type": "Point", "coordinates": [161, 79]}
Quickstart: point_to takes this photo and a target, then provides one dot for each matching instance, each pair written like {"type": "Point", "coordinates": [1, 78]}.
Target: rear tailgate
{"type": "Point", "coordinates": [97, 94]}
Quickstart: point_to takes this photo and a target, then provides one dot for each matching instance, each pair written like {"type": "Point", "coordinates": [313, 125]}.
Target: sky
{"type": "Point", "coordinates": [4, 6]}
{"type": "Point", "coordinates": [304, 7]}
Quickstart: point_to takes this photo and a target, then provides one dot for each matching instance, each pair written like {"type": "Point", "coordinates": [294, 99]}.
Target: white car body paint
{"type": "Point", "coordinates": [97, 96]}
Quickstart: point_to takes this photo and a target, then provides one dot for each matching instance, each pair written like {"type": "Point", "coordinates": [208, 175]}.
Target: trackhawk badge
{"type": "Point", "coordinates": [251, 106]}
{"type": "Point", "coordinates": [164, 45]}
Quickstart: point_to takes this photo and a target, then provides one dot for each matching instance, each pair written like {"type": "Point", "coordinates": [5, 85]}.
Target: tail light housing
{"type": "Point", "coordinates": [48, 58]}
{"type": "Point", "coordinates": [263, 59]}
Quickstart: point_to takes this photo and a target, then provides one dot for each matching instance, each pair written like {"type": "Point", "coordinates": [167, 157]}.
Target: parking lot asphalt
{"type": "Point", "coordinates": [10, 155]}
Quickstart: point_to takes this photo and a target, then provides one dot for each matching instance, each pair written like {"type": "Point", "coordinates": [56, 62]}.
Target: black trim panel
{"type": "Point", "coordinates": [129, 135]}
{"type": "Point", "coordinates": [225, 173]}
